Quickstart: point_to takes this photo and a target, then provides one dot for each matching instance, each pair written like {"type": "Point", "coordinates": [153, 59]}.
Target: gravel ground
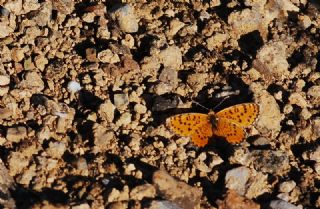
{"type": "Point", "coordinates": [86, 87]}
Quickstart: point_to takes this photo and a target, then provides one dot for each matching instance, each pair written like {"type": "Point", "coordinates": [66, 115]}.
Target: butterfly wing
{"type": "Point", "coordinates": [241, 114]}
{"type": "Point", "coordinates": [195, 125]}
{"type": "Point", "coordinates": [232, 132]}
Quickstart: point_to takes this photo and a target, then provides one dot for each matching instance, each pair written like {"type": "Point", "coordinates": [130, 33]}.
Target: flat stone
{"type": "Point", "coordinates": [237, 178]}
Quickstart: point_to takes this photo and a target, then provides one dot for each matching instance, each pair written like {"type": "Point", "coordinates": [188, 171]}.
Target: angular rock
{"type": "Point", "coordinates": [281, 204]}
{"type": "Point", "coordinates": [16, 134]}
{"type": "Point", "coordinates": [236, 179]}
{"type": "Point", "coordinates": [127, 19]}
{"type": "Point", "coordinates": [180, 193]}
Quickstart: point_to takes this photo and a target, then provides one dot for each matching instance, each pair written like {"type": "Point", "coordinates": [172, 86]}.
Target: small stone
{"type": "Point", "coordinates": [197, 81]}
{"type": "Point", "coordinates": [140, 109]}
{"type": "Point", "coordinates": [107, 56]}
{"type": "Point", "coordinates": [121, 100]}
{"type": "Point", "coordinates": [17, 162]}
{"type": "Point", "coordinates": [216, 41]}
{"type": "Point", "coordinates": [17, 54]}
{"type": "Point", "coordinates": [4, 80]}
{"type": "Point", "coordinates": [281, 204]}
{"type": "Point", "coordinates": [305, 114]}
{"type": "Point", "coordinates": [304, 21]}
{"type": "Point", "coordinates": [261, 141]}
{"type": "Point", "coordinates": [314, 93]}
{"type": "Point", "coordinates": [5, 30]}
{"type": "Point", "coordinates": [106, 111]}
{"type": "Point", "coordinates": [127, 20]}
{"type": "Point", "coordinates": [88, 17]}
{"type": "Point", "coordinates": [64, 6]}
{"type": "Point", "coordinates": [74, 86]}
{"type": "Point", "coordinates": [287, 186]}
{"type": "Point", "coordinates": [169, 76]}
{"type": "Point", "coordinates": [125, 119]}
{"type": "Point", "coordinates": [171, 57]}
{"type": "Point", "coordinates": [103, 138]}
{"type": "Point", "coordinates": [16, 134]}
{"type": "Point", "coordinates": [297, 99]}
{"type": "Point", "coordinates": [56, 149]}
{"type": "Point", "coordinates": [287, 109]}
{"type": "Point", "coordinates": [91, 54]}
{"type": "Point", "coordinates": [233, 200]}
{"type": "Point", "coordinates": [143, 191]}
{"type": "Point", "coordinates": [237, 178]}
{"type": "Point", "coordinates": [273, 61]}
{"type": "Point", "coordinates": [269, 120]}
{"type": "Point", "coordinates": [13, 6]}
{"type": "Point", "coordinates": [174, 27]}
{"type": "Point", "coordinates": [82, 166]}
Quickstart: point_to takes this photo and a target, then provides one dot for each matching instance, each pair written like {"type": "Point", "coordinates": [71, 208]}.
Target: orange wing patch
{"type": "Point", "coordinates": [241, 114]}
{"type": "Point", "coordinates": [195, 125]}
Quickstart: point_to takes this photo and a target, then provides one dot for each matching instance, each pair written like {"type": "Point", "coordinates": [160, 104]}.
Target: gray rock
{"type": "Point", "coordinates": [237, 178]}
{"type": "Point", "coordinates": [269, 161]}
{"type": "Point", "coordinates": [281, 204]}
{"type": "Point", "coordinates": [120, 100]}
{"type": "Point", "coordinates": [127, 20]}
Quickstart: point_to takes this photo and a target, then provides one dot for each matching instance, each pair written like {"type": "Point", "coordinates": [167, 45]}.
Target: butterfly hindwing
{"type": "Point", "coordinates": [232, 132]}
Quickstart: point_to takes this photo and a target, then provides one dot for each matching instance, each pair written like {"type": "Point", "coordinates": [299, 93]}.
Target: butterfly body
{"type": "Point", "coordinates": [227, 123]}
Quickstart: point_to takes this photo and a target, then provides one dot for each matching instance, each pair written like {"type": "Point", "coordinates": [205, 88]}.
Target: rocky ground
{"type": "Point", "coordinates": [86, 87]}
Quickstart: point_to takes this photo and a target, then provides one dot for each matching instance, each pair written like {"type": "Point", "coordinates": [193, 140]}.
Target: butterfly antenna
{"type": "Point", "coordinates": [224, 99]}
{"type": "Point", "coordinates": [197, 103]}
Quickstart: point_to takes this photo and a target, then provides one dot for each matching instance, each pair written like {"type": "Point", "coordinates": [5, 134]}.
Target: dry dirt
{"type": "Point", "coordinates": [86, 87]}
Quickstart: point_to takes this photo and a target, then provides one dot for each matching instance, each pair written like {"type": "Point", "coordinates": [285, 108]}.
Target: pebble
{"type": "Point", "coordinates": [102, 138]}
{"type": "Point", "coordinates": [56, 149]}
{"type": "Point", "coordinates": [140, 109]}
{"type": "Point", "coordinates": [143, 191]}
{"type": "Point", "coordinates": [126, 17]}
{"type": "Point", "coordinates": [281, 204]}
{"type": "Point", "coordinates": [5, 30]}
{"type": "Point", "coordinates": [237, 178]}
{"type": "Point", "coordinates": [261, 141]}
{"type": "Point", "coordinates": [64, 6]}
{"type": "Point", "coordinates": [269, 119]}
{"type": "Point", "coordinates": [297, 99]}
{"type": "Point", "coordinates": [171, 57]}
{"type": "Point", "coordinates": [169, 76]}
{"type": "Point", "coordinates": [312, 155]}
{"type": "Point", "coordinates": [273, 57]}
{"type": "Point", "coordinates": [314, 92]}
{"type": "Point", "coordinates": [125, 119]}
{"type": "Point", "coordinates": [6, 185]}
{"type": "Point", "coordinates": [106, 111]}
{"type": "Point", "coordinates": [4, 80]}
{"type": "Point", "coordinates": [16, 163]}
{"type": "Point", "coordinates": [121, 100]}
{"type": "Point", "coordinates": [74, 86]}
{"type": "Point", "coordinates": [41, 61]}
{"type": "Point", "coordinates": [304, 21]}
{"type": "Point", "coordinates": [305, 114]}
{"type": "Point", "coordinates": [287, 186]}
{"type": "Point", "coordinates": [107, 56]}
{"type": "Point", "coordinates": [180, 193]}
{"type": "Point", "coordinates": [16, 134]}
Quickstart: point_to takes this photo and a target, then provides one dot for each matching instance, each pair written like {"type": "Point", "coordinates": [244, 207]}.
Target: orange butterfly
{"type": "Point", "coordinates": [227, 123]}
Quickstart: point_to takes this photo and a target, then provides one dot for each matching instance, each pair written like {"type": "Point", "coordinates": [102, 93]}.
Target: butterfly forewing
{"type": "Point", "coordinates": [241, 114]}
{"type": "Point", "coordinates": [195, 125]}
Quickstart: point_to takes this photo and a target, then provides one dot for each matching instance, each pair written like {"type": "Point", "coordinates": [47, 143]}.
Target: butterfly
{"type": "Point", "coordinates": [228, 123]}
